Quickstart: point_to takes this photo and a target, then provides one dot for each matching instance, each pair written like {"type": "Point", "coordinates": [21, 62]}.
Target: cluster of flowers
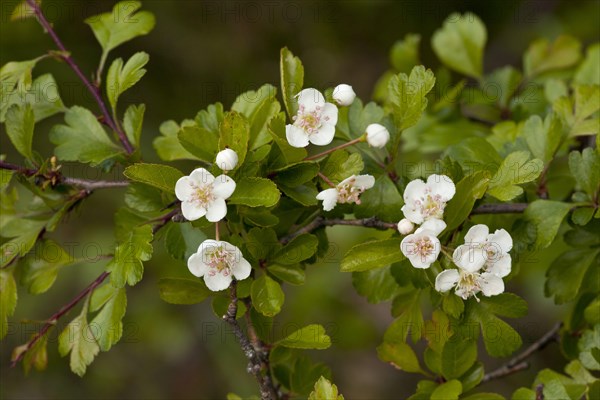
{"type": "Point", "coordinates": [483, 259]}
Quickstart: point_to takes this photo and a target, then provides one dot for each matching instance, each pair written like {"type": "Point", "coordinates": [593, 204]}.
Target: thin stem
{"type": "Point", "coordinates": [92, 185]}
{"type": "Point", "coordinates": [17, 168]}
{"type": "Point", "coordinates": [518, 363]}
{"type": "Point", "coordinates": [510, 208]}
{"type": "Point", "coordinates": [341, 146]}
{"type": "Point", "coordinates": [320, 221]}
{"type": "Point", "coordinates": [326, 179]}
{"type": "Point", "coordinates": [217, 236]}
{"type": "Point", "coordinates": [91, 88]}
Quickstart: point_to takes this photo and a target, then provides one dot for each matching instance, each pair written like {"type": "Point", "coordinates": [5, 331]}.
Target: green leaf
{"type": "Point", "coordinates": [503, 83]}
{"type": "Point", "coordinates": [484, 396]}
{"type": "Point", "coordinates": [168, 146]}
{"type": "Point", "coordinates": [546, 215]}
{"type": "Point", "coordinates": [585, 168]}
{"type": "Point", "coordinates": [17, 73]}
{"type": "Point", "coordinates": [267, 296]}
{"type": "Point", "coordinates": [458, 355]}
{"type": "Point", "coordinates": [296, 174]}
{"type": "Point", "coordinates": [514, 170]}
{"type": "Point", "coordinates": [283, 154]}
{"type": "Point", "coordinates": [523, 394]}
{"type": "Point", "coordinates": [543, 56]}
{"type": "Point", "coordinates": [305, 194]}
{"type": "Point", "coordinates": [132, 123]}
{"type": "Point", "coordinates": [292, 80]}
{"type": "Point", "coordinates": [376, 285]}
{"type": "Point", "coordinates": [309, 337]}
{"type": "Point", "coordinates": [37, 355]}
{"type": "Point", "coordinates": [199, 142]}
{"type": "Point", "coordinates": [360, 117]}
{"type": "Point", "coordinates": [500, 339]}
{"type": "Point", "coordinates": [78, 338]}
{"type": "Point", "coordinates": [42, 95]}
{"type": "Point", "coordinates": [234, 134]}
{"type": "Point", "coordinates": [404, 54]}
{"type": "Point", "coordinates": [82, 139]}
{"type": "Point", "coordinates": [589, 348]}
{"type": "Point", "coordinates": [459, 44]}
{"type": "Point", "coordinates": [341, 165]}
{"type": "Point", "coordinates": [159, 176]}
{"type": "Point", "coordinates": [447, 391]}
{"type": "Point", "coordinates": [588, 72]}
{"type": "Point", "coordinates": [8, 299]}
{"type": "Point", "coordinates": [292, 274]}
{"type": "Point", "coordinates": [122, 77]}
{"type": "Point", "coordinates": [220, 306]}
{"type": "Point", "coordinates": [543, 137]}
{"type": "Point", "coordinates": [259, 107]}
{"type": "Point", "coordinates": [19, 128]}
{"type": "Point", "coordinates": [40, 267]}
{"type": "Point", "coordinates": [400, 355]}
{"type": "Point", "coordinates": [381, 201]}
{"type": "Point", "coordinates": [23, 234]}
{"type": "Point", "coordinates": [325, 390]}
{"type": "Point", "coordinates": [144, 198]}
{"type": "Point", "coordinates": [121, 25]}
{"type": "Point", "coordinates": [306, 374]}
{"type": "Point", "coordinates": [182, 240]}
{"type": "Point", "coordinates": [453, 305]}
{"type": "Point", "coordinates": [183, 291]}
{"type": "Point", "coordinates": [255, 192]}
{"type": "Point", "coordinates": [108, 325]}
{"type": "Point", "coordinates": [506, 304]}
{"type": "Point", "coordinates": [126, 267]}
{"type": "Point", "coordinates": [472, 377]}
{"type": "Point", "coordinates": [407, 95]}
{"type": "Point", "coordinates": [566, 273]}
{"type": "Point", "coordinates": [475, 154]}
{"type": "Point", "coordinates": [371, 255]}
{"type": "Point", "coordinates": [300, 248]}
{"type": "Point", "coordinates": [470, 189]}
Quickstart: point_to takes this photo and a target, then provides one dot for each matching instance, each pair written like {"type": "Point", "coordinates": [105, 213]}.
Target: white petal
{"type": "Point", "coordinates": [469, 258]}
{"type": "Point", "coordinates": [500, 267]}
{"type": "Point", "coordinates": [209, 245]}
{"type": "Point", "coordinates": [324, 135]}
{"type": "Point", "coordinates": [329, 114]}
{"type": "Point", "coordinates": [217, 282]}
{"type": "Point", "coordinates": [184, 188]}
{"type": "Point", "coordinates": [196, 265]}
{"type": "Point", "coordinates": [442, 185]}
{"type": "Point", "coordinates": [192, 211]}
{"type": "Point", "coordinates": [434, 225]}
{"type": "Point", "coordinates": [310, 98]}
{"type": "Point", "coordinates": [364, 181]}
{"type": "Point", "coordinates": [217, 210]}
{"type": "Point", "coordinates": [501, 239]}
{"type": "Point", "coordinates": [414, 191]}
{"type": "Point", "coordinates": [201, 177]}
{"type": "Point", "coordinates": [223, 186]}
{"type": "Point", "coordinates": [241, 269]}
{"type": "Point", "coordinates": [329, 197]}
{"type": "Point", "coordinates": [490, 284]}
{"type": "Point", "coordinates": [446, 280]}
{"type": "Point", "coordinates": [477, 234]}
{"type": "Point", "coordinates": [412, 214]}
{"type": "Point", "coordinates": [295, 136]}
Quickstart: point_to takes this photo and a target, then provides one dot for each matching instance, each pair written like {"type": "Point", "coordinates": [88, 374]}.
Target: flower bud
{"type": "Point", "coordinates": [377, 135]}
{"type": "Point", "coordinates": [227, 159]}
{"type": "Point", "coordinates": [343, 94]}
{"type": "Point", "coordinates": [405, 227]}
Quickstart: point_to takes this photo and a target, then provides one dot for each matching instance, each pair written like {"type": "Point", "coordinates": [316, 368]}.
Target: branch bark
{"type": "Point", "coordinates": [91, 88]}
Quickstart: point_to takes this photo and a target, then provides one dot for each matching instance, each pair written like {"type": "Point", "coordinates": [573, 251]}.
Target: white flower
{"type": "Point", "coordinates": [217, 261]}
{"type": "Point", "coordinates": [421, 248]}
{"type": "Point", "coordinates": [314, 122]}
{"type": "Point", "coordinates": [377, 135]}
{"type": "Point", "coordinates": [405, 227]}
{"type": "Point", "coordinates": [347, 191]}
{"type": "Point", "coordinates": [344, 94]}
{"type": "Point", "coordinates": [424, 201]}
{"type": "Point", "coordinates": [227, 159]}
{"type": "Point", "coordinates": [482, 263]}
{"type": "Point", "coordinates": [202, 194]}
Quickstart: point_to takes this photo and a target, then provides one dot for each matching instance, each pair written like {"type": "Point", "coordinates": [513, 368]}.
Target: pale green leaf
{"type": "Point", "coordinates": [292, 80]}
{"type": "Point", "coordinates": [183, 291]}
{"type": "Point", "coordinates": [19, 128]}
{"type": "Point", "coordinates": [267, 296]}
{"type": "Point", "coordinates": [407, 94]}
{"type": "Point", "coordinates": [371, 255]}
{"type": "Point", "coordinates": [255, 192]}
{"type": "Point", "coordinates": [159, 176]}
{"type": "Point", "coordinates": [309, 337]}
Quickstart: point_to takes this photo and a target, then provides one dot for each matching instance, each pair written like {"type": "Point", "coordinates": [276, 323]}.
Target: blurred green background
{"type": "Point", "coordinates": [207, 51]}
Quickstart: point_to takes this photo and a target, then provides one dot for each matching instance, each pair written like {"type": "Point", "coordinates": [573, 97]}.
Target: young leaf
{"type": "Point", "coordinates": [168, 146]}
{"type": "Point", "coordinates": [458, 355]}
{"type": "Point", "coordinates": [400, 355]}
{"type": "Point", "coordinates": [82, 139]}
{"type": "Point", "coordinates": [447, 391]}
{"type": "Point", "coordinates": [325, 390]}
{"type": "Point", "coordinates": [470, 189]}
{"type": "Point", "coordinates": [132, 123]}
{"type": "Point", "coordinates": [309, 337]}
{"type": "Point", "coordinates": [546, 215]}
{"type": "Point", "coordinates": [585, 167]}
{"type": "Point", "coordinates": [159, 176]}
{"type": "Point", "coordinates": [122, 77]}
{"type": "Point", "coordinates": [19, 128]}
{"type": "Point", "coordinates": [404, 54]}
{"type": "Point", "coordinates": [341, 165]}
{"type": "Point", "coordinates": [78, 338]}
{"type": "Point", "coordinates": [255, 192]}
{"type": "Point", "coordinates": [588, 72]}
{"type": "Point", "coordinates": [371, 255]}
{"type": "Point", "coordinates": [107, 324]}
{"type": "Point", "coordinates": [126, 267]}
{"type": "Point", "coordinates": [40, 267]}
{"type": "Point", "coordinates": [234, 134]}
{"type": "Point", "coordinates": [259, 107]}
{"type": "Point", "coordinates": [267, 296]}
{"type": "Point", "coordinates": [183, 291]}
{"type": "Point", "coordinates": [376, 285]}
{"type": "Point", "coordinates": [407, 95]}
{"type": "Point", "coordinates": [566, 273]}
{"type": "Point", "coordinates": [514, 170]}
{"type": "Point", "coordinates": [8, 299]}
{"type": "Point", "coordinates": [43, 96]}
{"type": "Point", "coordinates": [292, 80]}
{"type": "Point", "coordinates": [543, 56]}
{"type": "Point", "coordinates": [199, 142]}
{"type": "Point", "coordinates": [543, 137]}
{"type": "Point", "coordinates": [460, 43]}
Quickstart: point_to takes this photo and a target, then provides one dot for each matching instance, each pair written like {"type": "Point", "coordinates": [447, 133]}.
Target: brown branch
{"type": "Point", "coordinates": [93, 185]}
{"type": "Point", "coordinates": [18, 169]}
{"type": "Point", "coordinates": [500, 208]}
{"type": "Point", "coordinates": [518, 363]}
{"type": "Point", "coordinates": [255, 363]}
{"type": "Point", "coordinates": [91, 88]}
{"type": "Point", "coordinates": [341, 146]}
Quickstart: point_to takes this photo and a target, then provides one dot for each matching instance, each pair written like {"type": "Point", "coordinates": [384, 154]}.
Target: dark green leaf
{"type": "Point", "coordinates": [183, 291]}
{"type": "Point", "coordinates": [159, 176]}
{"type": "Point", "coordinates": [267, 296]}
{"type": "Point", "coordinates": [371, 255]}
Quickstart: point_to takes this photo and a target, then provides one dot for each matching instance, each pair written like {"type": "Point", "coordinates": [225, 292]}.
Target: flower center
{"type": "Point", "coordinates": [203, 195]}
{"type": "Point", "coordinates": [220, 261]}
{"type": "Point", "coordinates": [431, 206]}
{"type": "Point", "coordinates": [349, 193]}
{"type": "Point", "coordinates": [468, 284]}
{"type": "Point", "coordinates": [309, 121]}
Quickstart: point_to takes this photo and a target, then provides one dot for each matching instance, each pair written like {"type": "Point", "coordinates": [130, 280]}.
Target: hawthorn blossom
{"type": "Point", "coordinates": [405, 226]}
{"type": "Point", "coordinates": [202, 194]}
{"type": "Point", "coordinates": [423, 247]}
{"type": "Point", "coordinates": [482, 263]}
{"type": "Point", "coordinates": [347, 191]}
{"type": "Point", "coordinates": [377, 135]}
{"type": "Point", "coordinates": [314, 122]}
{"type": "Point", "coordinates": [217, 261]}
{"type": "Point", "coordinates": [425, 201]}
{"type": "Point", "coordinates": [343, 94]}
{"type": "Point", "coordinates": [227, 159]}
